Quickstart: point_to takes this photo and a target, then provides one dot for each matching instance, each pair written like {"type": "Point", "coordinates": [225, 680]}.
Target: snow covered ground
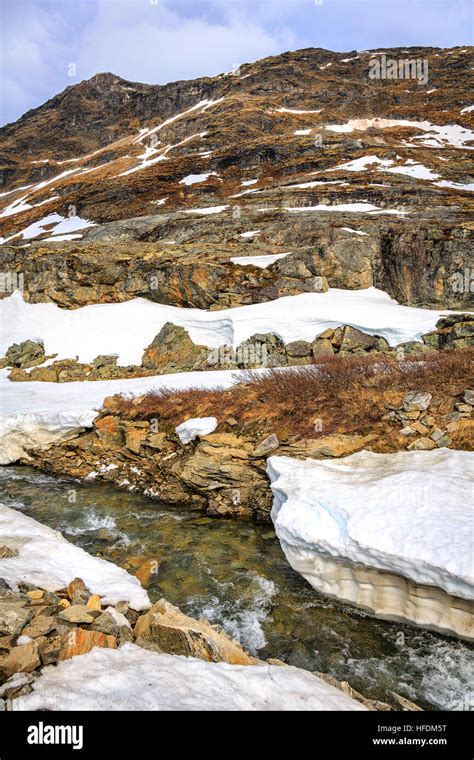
{"type": "Point", "coordinates": [47, 560]}
{"type": "Point", "coordinates": [127, 328]}
{"type": "Point", "coordinates": [356, 527]}
{"type": "Point", "coordinates": [131, 678]}
{"type": "Point", "coordinates": [39, 414]}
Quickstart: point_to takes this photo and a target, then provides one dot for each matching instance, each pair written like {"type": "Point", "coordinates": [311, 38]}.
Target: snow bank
{"type": "Point", "coordinates": [188, 431]}
{"type": "Point", "coordinates": [131, 678]}
{"type": "Point", "coordinates": [389, 532]}
{"type": "Point", "coordinates": [20, 432]}
{"type": "Point", "coordinates": [36, 415]}
{"type": "Point", "coordinates": [47, 560]}
{"type": "Point", "coordinates": [127, 328]}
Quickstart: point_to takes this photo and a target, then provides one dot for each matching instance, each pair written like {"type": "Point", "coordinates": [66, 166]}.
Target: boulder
{"type": "Point", "coordinates": [78, 592]}
{"type": "Point", "coordinates": [25, 354]}
{"type": "Point", "coordinates": [80, 641]}
{"type": "Point", "coordinates": [42, 374]}
{"type": "Point", "coordinates": [21, 659]}
{"type": "Point", "coordinates": [322, 347]}
{"type": "Point", "coordinates": [422, 444]}
{"type": "Point", "coordinates": [166, 626]}
{"type": "Point", "coordinates": [105, 360]}
{"type": "Point", "coordinates": [299, 349]}
{"type": "Point", "coordinates": [77, 613]}
{"type": "Point", "coordinates": [261, 350]}
{"type": "Point", "coordinates": [354, 340]}
{"type": "Point", "coordinates": [14, 613]}
{"type": "Point", "coordinates": [172, 350]}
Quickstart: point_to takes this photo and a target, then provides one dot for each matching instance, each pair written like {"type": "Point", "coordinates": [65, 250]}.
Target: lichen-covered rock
{"type": "Point", "coordinates": [25, 354]}
{"type": "Point", "coordinates": [172, 350]}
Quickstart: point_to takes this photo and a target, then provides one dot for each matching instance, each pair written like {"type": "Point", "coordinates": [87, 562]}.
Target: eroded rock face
{"type": "Point", "coordinates": [238, 132]}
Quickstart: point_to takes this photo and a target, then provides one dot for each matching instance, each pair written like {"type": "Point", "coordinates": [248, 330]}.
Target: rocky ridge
{"type": "Point", "coordinates": [180, 179]}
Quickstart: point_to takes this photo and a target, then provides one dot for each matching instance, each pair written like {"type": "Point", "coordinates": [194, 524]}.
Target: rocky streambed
{"type": "Point", "coordinates": [235, 574]}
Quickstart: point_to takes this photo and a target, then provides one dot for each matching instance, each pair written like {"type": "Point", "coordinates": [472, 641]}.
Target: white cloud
{"type": "Point", "coordinates": [154, 44]}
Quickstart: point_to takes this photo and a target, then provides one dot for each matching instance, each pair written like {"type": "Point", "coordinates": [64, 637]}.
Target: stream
{"type": "Point", "coordinates": [235, 574]}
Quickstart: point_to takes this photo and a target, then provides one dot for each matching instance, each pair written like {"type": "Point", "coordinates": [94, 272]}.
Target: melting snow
{"type": "Point", "coordinates": [132, 678]}
{"type": "Point", "coordinates": [47, 560]}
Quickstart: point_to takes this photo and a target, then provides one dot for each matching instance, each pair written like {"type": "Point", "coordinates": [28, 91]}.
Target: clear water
{"type": "Point", "coordinates": [235, 574]}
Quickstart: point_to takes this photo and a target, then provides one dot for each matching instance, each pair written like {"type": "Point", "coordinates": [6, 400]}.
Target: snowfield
{"type": "Point", "coordinates": [127, 328]}
{"type": "Point", "coordinates": [142, 680]}
{"type": "Point", "coordinates": [47, 560]}
{"type": "Point", "coordinates": [407, 515]}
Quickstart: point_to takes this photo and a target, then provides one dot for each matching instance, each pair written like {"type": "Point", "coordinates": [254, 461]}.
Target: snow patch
{"type": "Point", "coordinates": [47, 560]}
{"type": "Point", "coordinates": [188, 431]}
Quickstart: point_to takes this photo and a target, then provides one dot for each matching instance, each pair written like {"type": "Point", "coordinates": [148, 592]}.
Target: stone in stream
{"type": "Point", "coordinates": [165, 626]}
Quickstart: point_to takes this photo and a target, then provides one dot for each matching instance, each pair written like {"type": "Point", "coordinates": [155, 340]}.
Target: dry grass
{"type": "Point", "coordinates": [345, 393]}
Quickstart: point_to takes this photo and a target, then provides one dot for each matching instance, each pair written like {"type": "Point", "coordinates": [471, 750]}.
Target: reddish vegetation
{"type": "Point", "coordinates": [346, 393]}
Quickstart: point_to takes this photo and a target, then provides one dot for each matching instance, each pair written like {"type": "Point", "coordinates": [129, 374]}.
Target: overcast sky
{"type": "Point", "coordinates": [159, 41]}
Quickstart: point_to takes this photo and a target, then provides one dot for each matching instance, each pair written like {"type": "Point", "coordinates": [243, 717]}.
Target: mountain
{"type": "Point", "coordinates": [192, 174]}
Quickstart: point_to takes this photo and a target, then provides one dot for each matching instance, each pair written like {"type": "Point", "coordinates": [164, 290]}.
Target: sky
{"type": "Point", "coordinates": [48, 45]}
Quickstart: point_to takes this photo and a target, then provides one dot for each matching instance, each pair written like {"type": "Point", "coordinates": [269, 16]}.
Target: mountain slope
{"type": "Point", "coordinates": [265, 151]}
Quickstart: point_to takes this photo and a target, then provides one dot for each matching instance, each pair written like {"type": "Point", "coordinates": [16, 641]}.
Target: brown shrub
{"type": "Point", "coordinates": [346, 393]}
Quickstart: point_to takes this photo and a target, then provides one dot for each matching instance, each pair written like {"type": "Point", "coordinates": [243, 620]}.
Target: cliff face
{"type": "Point", "coordinates": [266, 151]}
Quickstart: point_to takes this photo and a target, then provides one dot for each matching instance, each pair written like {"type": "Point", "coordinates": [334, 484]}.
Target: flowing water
{"type": "Point", "coordinates": [235, 574]}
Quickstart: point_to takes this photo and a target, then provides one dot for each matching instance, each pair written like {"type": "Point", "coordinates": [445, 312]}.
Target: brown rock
{"type": "Point", "coordinates": [353, 340]}
{"type": "Point", "coordinates": [422, 444]}
{"type": "Point", "coordinates": [80, 641]}
{"type": "Point", "coordinates": [49, 650]}
{"type": "Point", "coordinates": [40, 626]}
{"type": "Point", "coordinates": [94, 603]}
{"type": "Point", "coordinates": [77, 613]}
{"type": "Point", "coordinates": [176, 633]}
{"type": "Point", "coordinates": [35, 594]}
{"type": "Point", "coordinates": [134, 438]}
{"type": "Point", "coordinates": [109, 430]}
{"type": "Point", "coordinates": [77, 591]}
{"type": "Point", "coordinates": [20, 659]}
